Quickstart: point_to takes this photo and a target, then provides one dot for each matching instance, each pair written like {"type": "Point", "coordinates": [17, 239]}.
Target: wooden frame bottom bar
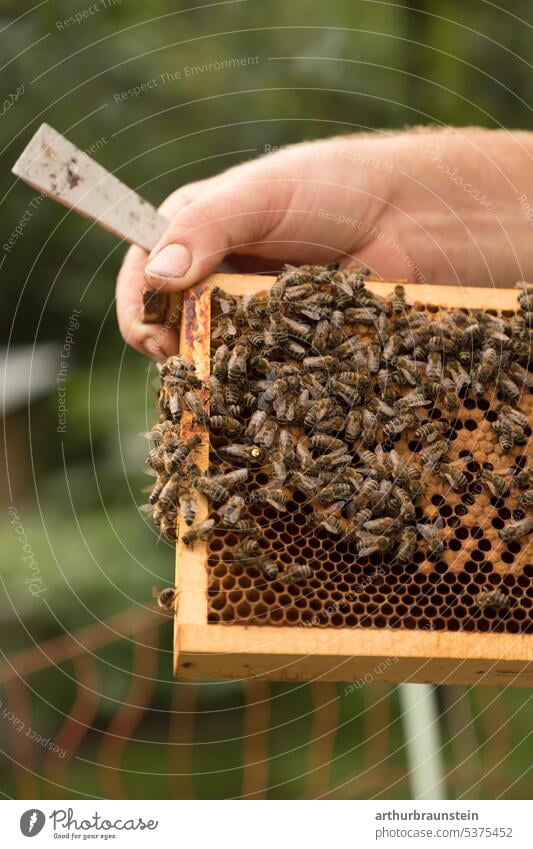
{"type": "Point", "coordinates": [359, 655]}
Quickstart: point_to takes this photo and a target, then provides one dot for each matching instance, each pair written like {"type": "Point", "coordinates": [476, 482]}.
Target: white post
{"type": "Point", "coordinates": [420, 720]}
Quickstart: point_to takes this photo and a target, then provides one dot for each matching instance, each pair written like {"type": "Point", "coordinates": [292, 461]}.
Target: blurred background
{"type": "Point", "coordinates": [88, 706]}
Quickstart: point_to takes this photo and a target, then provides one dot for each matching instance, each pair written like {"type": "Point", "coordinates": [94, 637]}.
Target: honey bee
{"type": "Point", "coordinates": [508, 388]}
{"type": "Point", "coordinates": [168, 525]}
{"type": "Point", "coordinates": [451, 398]}
{"type": "Point", "coordinates": [486, 366]}
{"type": "Point", "coordinates": [359, 378]}
{"type": "Point", "coordinates": [399, 303]}
{"type": "Point", "coordinates": [407, 545]}
{"type": "Point", "coordinates": [508, 434]}
{"type": "Point", "coordinates": [520, 375]}
{"type": "Point", "coordinates": [162, 432]}
{"type": "Point", "coordinates": [211, 489]}
{"type": "Point", "coordinates": [433, 454]}
{"type": "Point", "coordinates": [405, 504]}
{"type": "Point", "coordinates": [157, 489]}
{"type": "Point", "coordinates": [455, 477]}
{"type": "Point", "coordinates": [290, 276]}
{"type": "Point", "coordinates": [366, 493]}
{"type": "Point", "coordinates": [357, 520]}
{"type": "Point", "coordinates": [442, 344]}
{"type": "Point", "coordinates": [195, 404]}
{"type": "Point", "coordinates": [238, 363]}
{"type": "Point", "coordinates": [431, 534]}
{"type": "Point", "coordinates": [388, 388]}
{"type": "Point", "coordinates": [305, 483]}
{"type": "Point", "coordinates": [374, 357]}
{"type": "Point", "coordinates": [360, 315]}
{"type": "Point", "coordinates": [335, 458]}
{"type": "Point", "coordinates": [267, 434]}
{"type": "Point", "coordinates": [188, 507]}
{"type": "Point", "coordinates": [286, 445]}
{"type": "Point", "coordinates": [296, 574]}
{"type": "Point", "coordinates": [524, 478]}
{"type": "Point", "coordinates": [232, 394]}
{"type": "Point", "coordinates": [430, 431]}
{"type": "Point", "coordinates": [321, 335]}
{"type": "Point", "coordinates": [246, 527]}
{"type": "Point", "coordinates": [460, 377]}
{"type": "Point", "coordinates": [383, 525]}
{"type": "Point", "coordinates": [348, 394]}
{"type": "Point", "coordinates": [323, 442]}
{"type": "Point", "coordinates": [375, 463]}
{"type": "Point", "coordinates": [225, 302]}
{"type": "Point", "coordinates": [368, 431]}
{"type": "Point", "coordinates": [249, 549]}
{"type": "Point", "coordinates": [406, 370]}
{"type": "Point", "coordinates": [226, 424]}
{"type": "Point", "coordinates": [166, 598]}
{"type": "Point", "coordinates": [317, 411]}
{"type": "Point", "coordinates": [492, 598]}
{"type": "Point", "coordinates": [349, 347]}
{"type": "Point", "coordinates": [342, 291]}
{"type": "Point", "coordinates": [319, 362]}
{"type": "Point", "coordinates": [331, 425]}
{"type": "Point", "coordinates": [332, 524]}
{"type": "Point", "coordinates": [297, 328]}
{"type": "Point", "coordinates": [434, 369]}
{"type": "Point", "coordinates": [525, 499]}
{"type": "Point", "coordinates": [268, 495]}
{"type": "Point", "coordinates": [225, 329]}
{"type": "Point", "coordinates": [231, 479]}
{"type": "Point", "coordinates": [335, 492]}
{"type": "Point", "coordinates": [392, 348]}
{"type": "Point", "coordinates": [268, 567]}
{"type": "Point", "coordinates": [169, 493]}
{"type": "Point", "coordinates": [517, 529]}
{"type": "Point", "coordinates": [246, 453]}
{"type": "Point", "coordinates": [495, 483]}
{"type": "Point", "coordinates": [371, 544]}
{"type": "Point", "coordinates": [297, 351]}
{"type": "Point", "coordinates": [200, 531]}
{"type": "Point", "coordinates": [181, 452]}
{"type": "Point", "coordinates": [412, 399]}
{"type": "Point", "coordinates": [336, 329]}
{"type": "Point", "coordinates": [299, 292]}
{"type": "Point", "coordinates": [220, 362]}
{"type": "Point", "coordinates": [398, 424]}
{"type": "Point", "coordinates": [230, 512]}
{"type": "Point", "coordinates": [217, 396]}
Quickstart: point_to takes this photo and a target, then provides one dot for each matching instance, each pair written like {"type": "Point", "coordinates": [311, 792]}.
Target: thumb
{"type": "Point", "coordinates": [232, 218]}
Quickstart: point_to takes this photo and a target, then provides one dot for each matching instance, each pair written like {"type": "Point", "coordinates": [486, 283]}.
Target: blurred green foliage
{"type": "Point", "coordinates": [319, 69]}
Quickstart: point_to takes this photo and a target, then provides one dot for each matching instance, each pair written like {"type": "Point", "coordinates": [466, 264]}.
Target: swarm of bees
{"type": "Point", "coordinates": [297, 389]}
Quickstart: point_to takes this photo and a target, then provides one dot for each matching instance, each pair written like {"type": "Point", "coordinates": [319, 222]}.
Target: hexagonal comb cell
{"type": "Point", "coordinates": [346, 591]}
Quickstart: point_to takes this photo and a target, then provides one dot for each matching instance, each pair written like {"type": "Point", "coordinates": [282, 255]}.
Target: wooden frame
{"type": "Point", "coordinates": [203, 650]}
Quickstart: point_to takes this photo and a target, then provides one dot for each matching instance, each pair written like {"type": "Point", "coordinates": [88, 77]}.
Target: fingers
{"type": "Point", "coordinates": [156, 340]}
{"type": "Point", "coordinates": [223, 218]}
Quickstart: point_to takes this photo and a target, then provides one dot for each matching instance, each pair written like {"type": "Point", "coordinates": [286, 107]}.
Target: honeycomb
{"type": "Point", "coordinates": [346, 591]}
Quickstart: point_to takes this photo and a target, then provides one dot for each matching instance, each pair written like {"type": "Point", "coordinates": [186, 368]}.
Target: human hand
{"type": "Point", "coordinates": [440, 206]}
